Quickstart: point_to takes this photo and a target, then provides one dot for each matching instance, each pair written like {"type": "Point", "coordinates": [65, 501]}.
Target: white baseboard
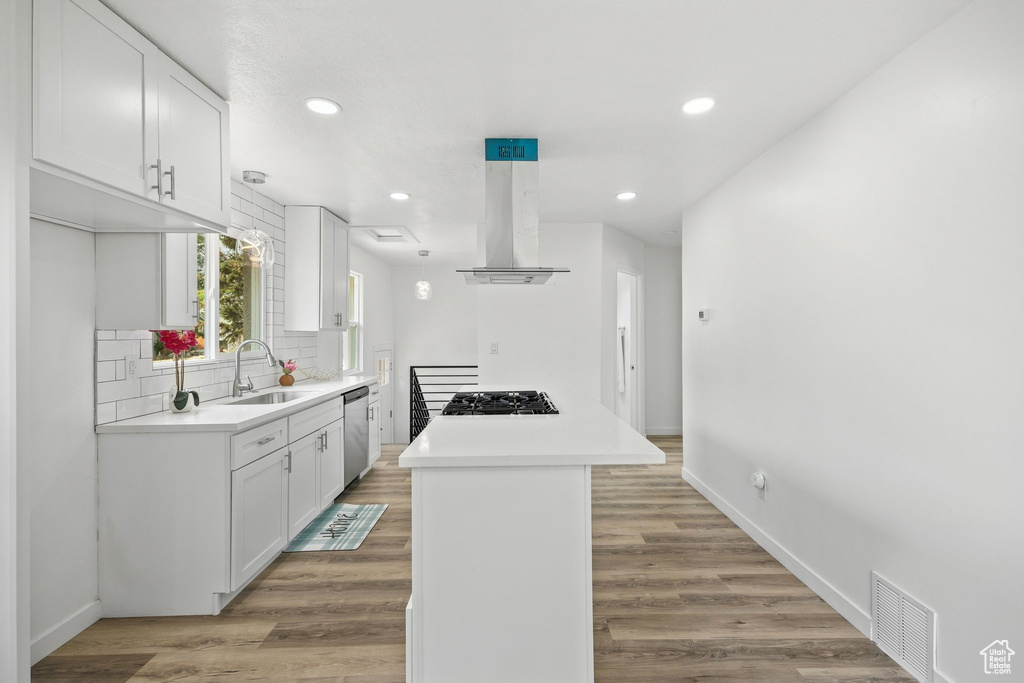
{"type": "Point", "coordinates": [664, 431]}
{"type": "Point", "coordinates": [939, 677]}
{"type": "Point", "coordinates": [66, 630]}
{"type": "Point", "coordinates": [860, 619]}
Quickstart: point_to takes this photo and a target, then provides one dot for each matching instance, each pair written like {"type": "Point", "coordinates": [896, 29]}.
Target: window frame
{"type": "Point", "coordinates": [355, 318]}
{"type": "Point", "coordinates": [211, 351]}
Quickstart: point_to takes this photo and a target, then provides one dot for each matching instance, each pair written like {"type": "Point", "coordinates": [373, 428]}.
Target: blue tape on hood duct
{"type": "Point", "coordinates": [510, 149]}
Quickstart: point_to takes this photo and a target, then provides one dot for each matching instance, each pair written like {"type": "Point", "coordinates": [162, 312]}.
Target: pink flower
{"type": "Point", "coordinates": [289, 367]}
{"type": "Point", "coordinates": [176, 341]}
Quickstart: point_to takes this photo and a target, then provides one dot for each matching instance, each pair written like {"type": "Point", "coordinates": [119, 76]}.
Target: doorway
{"type": "Point", "coordinates": [383, 365]}
{"type": "Point", "coordinates": [627, 348]}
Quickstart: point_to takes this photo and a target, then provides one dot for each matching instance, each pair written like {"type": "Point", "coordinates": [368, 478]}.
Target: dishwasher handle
{"type": "Point", "coordinates": [353, 396]}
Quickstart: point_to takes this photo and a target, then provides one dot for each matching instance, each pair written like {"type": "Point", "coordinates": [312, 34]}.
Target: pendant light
{"type": "Point", "coordinates": [258, 246]}
{"type": "Point", "coordinates": [423, 289]}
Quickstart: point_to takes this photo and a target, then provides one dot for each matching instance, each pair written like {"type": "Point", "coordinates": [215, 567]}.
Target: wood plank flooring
{"type": "Point", "coordinates": [680, 594]}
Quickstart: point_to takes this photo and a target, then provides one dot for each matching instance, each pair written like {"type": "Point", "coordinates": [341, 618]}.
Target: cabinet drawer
{"type": "Point", "coordinates": [315, 418]}
{"type": "Point", "coordinates": [252, 445]}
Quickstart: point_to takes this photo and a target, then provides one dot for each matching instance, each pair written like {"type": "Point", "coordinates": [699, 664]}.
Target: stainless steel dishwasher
{"type": "Point", "coordinates": [357, 433]}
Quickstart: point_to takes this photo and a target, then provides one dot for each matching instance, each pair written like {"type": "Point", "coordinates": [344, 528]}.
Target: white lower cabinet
{"type": "Point", "coordinates": [332, 463]}
{"type": "Point", "coordinates": [188, 518]}
{"type": "Point", "coordinates": [303, 478]}
{"type": "Point", "coordinates": [375, 427]}
{"type": "Point", "coordinates": [259, 515]}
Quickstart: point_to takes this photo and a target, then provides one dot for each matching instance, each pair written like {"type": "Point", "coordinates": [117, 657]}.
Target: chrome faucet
{"type": "Point", "coordinates": [238, 387]}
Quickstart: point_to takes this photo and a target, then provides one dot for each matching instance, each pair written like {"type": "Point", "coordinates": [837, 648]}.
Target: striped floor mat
{"type": "Point", "coordinates": [339, 527]}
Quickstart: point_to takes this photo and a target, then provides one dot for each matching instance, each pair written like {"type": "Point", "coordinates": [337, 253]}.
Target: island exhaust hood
{"type": "Point", "coordinates": [511, 234]}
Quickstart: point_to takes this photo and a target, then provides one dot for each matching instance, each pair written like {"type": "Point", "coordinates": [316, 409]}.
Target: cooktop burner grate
{"type": "Point", "coordinates": [500, 403]}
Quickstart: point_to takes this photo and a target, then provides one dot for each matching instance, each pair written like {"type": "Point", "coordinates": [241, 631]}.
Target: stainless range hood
{"type": "Point", "coordinates": [511, 234]}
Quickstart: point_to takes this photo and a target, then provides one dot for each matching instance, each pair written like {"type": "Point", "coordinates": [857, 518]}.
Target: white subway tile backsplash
{"type": "Point", "coordinates": [262, 202]}
{"type": "Point", "coordinates": [119, 398]}
{"type": "Point", "coordinates": [116, 391]}
{"type": "Point", "coordinates": [106, 412]}
{"type": "Point", "coordinates": [116, 350]}
{"type": "Point", "coordinates": [105, 371]}
{"type": "Point", "coordinates": [242, 220]}
{"type": "Point", "coordinates": [155, 384]}
{"type": "Point", "coordinates": [241, 190]}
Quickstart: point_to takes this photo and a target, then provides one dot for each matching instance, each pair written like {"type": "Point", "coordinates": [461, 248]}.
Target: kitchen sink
{"type": "Point", "coordinates": [269, 398]}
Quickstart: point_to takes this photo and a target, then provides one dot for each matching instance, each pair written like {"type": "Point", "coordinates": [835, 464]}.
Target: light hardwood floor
{"type": "Point", "coordinates": [680, 594]}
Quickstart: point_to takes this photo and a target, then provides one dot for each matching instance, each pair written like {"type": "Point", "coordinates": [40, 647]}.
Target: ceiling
{"type": "Point", "coordinates": [599, 82]}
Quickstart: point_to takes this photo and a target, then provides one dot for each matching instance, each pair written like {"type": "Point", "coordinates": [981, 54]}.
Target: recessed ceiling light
{"type": "Point", "coordinates": [698, 105]}
{"type": "Point", "coordinates": [625, 196]}
{"type": "Point", "coordinates": [323, 106]}
{"type": "Point", "coordinates": [400, 196]}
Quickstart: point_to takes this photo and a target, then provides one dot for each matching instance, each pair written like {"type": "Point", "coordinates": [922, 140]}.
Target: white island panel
{"type": "Point", "coordinates": [502, 574]}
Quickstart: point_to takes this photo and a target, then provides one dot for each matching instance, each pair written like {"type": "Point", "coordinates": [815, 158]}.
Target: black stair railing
{"type": "Point", "coordinates": [431, 387]}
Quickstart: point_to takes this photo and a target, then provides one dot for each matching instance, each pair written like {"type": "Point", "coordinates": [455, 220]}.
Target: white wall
{"type": "Point", "coordinates": [61, 443]}
{"type": "Point", "coordinates": [378, 308]}
{"type": "Point", "coordinates": [865, 279]}
{"type": "Point", "coordinates": [619, 252]}
{"type": "Point", "coordinates": [440, 331]}
{"type": "Point", "coordinates": [13, 644]}
{"type": "Point", "coordinates": [663, 339]}
{"type": "Point", "coordinates": [548, 335]}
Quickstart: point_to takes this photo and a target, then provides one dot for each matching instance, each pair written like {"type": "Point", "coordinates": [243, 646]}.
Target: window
{"type": "Point", "coordinates": [353, 351]}
{"type": "Point", "coordinates": [241, 297]}
{"type": "Point", "coordinates": [230, 300]}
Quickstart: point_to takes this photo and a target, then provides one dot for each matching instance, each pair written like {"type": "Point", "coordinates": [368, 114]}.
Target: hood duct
{"type": "Point", "coordinates": [511, 233]}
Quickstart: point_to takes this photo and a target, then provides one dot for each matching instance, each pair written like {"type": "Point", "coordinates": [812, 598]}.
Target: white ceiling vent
{"type": "Point", "coordinates": [903, 628]}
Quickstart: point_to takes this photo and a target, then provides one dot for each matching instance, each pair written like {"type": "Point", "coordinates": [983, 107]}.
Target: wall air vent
{"type": "Point", "coordinates": [903, 628]}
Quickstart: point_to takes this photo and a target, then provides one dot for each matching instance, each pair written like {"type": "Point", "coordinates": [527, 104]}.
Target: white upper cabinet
{"type": "Point", "coordinates": [180, 282]}
{"type": "Point", "coordinates": [95, 95]}
{"type": "Point", "coordinates": [316, 270]}
{"type": "Point", "coordinates": [116, 112]}
{"type": "Point", "coordinates": [147, 281]}
{"type": "Point", "coordinates": [193, 146]}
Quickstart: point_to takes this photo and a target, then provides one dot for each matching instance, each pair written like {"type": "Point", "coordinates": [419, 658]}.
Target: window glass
{"type": "Point", "coordinates": [241, 297]}
{"type": "Point", "coordinates": [230, 293]}
{"type": "Point", "coordinates": [353, 341]}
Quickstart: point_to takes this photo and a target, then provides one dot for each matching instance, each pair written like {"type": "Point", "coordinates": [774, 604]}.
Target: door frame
{"type": "Point", "coordinates": [388, 435]}
{"type": "Point", "coordinates": [639, 341]}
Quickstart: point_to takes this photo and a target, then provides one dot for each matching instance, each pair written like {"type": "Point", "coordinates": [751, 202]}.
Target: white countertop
{"type": "Point", "coordinates": [582, 433]}
{"type": "Point", "coordinates": [218, 416]}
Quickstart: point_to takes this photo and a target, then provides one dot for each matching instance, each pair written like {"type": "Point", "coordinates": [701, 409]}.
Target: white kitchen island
{"type": "Point", "coordinates": [501, 536]}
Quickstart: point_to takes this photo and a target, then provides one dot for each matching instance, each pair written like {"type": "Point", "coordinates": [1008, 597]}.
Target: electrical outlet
{"type": "Point", "coordinates": [494, 347]}
{"type": "Point", "coordinates": [131, 366]}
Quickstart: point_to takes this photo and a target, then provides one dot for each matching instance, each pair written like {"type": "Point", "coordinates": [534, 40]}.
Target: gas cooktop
{"type": "Point", "coordinates": [500, 403]}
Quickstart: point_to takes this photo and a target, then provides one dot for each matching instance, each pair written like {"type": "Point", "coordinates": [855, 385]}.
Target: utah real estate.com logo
{"type": "Point", "coordinates": [997, 657]}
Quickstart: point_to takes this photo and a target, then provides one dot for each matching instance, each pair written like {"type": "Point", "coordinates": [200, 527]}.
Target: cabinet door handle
{"type": "Point", "coordinates": [265, 440]}
{"type": "Point", "coordinates": [159, 187]}
{"type": "Point", "coordinates": [195, 304]}
{"type": "Point", "coordinates": [171, 192]}
{"type": "Point", "coordinates": [325, 440]}
{"type": "Point", "coordinates": [289, 466]}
